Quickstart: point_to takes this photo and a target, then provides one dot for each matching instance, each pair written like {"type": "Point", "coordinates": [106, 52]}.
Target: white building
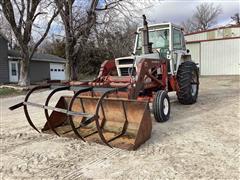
{"type": "Point", "coordinates": [216, 50]}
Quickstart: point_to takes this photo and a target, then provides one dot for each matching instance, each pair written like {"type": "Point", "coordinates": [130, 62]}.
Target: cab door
{"type": "Point", "coordinates": [178, 47]}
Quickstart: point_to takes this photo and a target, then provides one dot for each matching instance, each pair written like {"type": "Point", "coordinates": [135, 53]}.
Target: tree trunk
{"type": "Point", "coordinates": [71, 68]}
{"type": "Point", "coordinates": [68, 61]}
{"type": "Point", "coordinates": [24, 79]}
{"type": "Point", "coordinates": [74, 74]}
{"type": "Point", "coordinates": [68, 70]}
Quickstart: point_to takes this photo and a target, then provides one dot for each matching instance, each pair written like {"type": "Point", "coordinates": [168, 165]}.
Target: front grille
{"type": "Point", "coordinates": [125, 61]}
{"type": "Point", "coordinates": [126, 70]}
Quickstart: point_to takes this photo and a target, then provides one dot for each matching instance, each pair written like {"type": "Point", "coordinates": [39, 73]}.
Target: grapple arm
{"type": "Point", "coordinates": [116, 120]}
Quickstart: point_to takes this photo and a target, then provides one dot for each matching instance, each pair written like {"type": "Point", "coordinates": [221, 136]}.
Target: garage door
{"type": "Point", "coordinates": [57, 71]}
{"type": "Point", "coordinates": [220, 57]}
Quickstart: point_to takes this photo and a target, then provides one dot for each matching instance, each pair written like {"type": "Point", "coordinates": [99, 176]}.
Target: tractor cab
{"type": "Point", "coordinates": [164, 40]}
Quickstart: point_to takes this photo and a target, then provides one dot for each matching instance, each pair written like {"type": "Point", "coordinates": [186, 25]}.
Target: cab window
{"type": "Point", "coordinates": [159, 38]}
{"type": "Point", "coordinates": [177, 39]}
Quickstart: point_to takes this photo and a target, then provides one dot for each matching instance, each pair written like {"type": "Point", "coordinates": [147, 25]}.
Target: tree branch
{"type": "Point", "coordinates": [36, 15]}
{"type": "Point", "coordinates": [21, 12]}
{"type": "Point", "coordinates": [45, 33]}
{"type": "Point", "coordinates": [108, 6]}
{"type": "Point", "coordinates": [10, 16]}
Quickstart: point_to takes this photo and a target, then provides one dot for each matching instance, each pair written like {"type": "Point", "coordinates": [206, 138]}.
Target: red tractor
{"type": "Point", "coordinates": [118, 99]}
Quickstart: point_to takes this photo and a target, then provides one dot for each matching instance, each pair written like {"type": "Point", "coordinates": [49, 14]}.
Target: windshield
{"type": "Point", "coordinates": [159, 38]}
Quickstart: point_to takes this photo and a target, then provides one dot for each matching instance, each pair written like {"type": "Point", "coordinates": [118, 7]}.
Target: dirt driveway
{"type": "Point", "coordinates": [199, 141]}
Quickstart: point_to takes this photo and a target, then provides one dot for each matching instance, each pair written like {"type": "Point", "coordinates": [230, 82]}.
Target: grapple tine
{"type": "Point", "coordinates": [16, 106]}
{"type": "Point", "coordinates": [25, 106]}
{"type": "Point", "coordinates": [29, 119]}
{"type": "Point", "coordinates": [101, 133]}
{"type": "Point", "coordinates": [69, 117]}
{"type": "Point", "coordinates": [99, 104]}
{"type": "Point", "coordinates": [108, 120]}
{"type": "Point", "coordinates": [46, 104]}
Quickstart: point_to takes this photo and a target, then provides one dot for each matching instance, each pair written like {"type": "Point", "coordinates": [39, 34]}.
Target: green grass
{"type": "Point", "coordinates": [6, 92]}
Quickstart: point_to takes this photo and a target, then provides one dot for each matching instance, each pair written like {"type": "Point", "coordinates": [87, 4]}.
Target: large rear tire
{"type": "Point", "coordinates": [161, 106]}
{"type": "Point", "coordinates": [188, 82]}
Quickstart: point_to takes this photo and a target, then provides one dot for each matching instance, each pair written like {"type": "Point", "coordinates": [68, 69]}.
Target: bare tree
{"type": "Point", "coordinates": [118, 39]}
{"type": "Point", "coordinates": [236, 18]}
{"type": "Point", "coordinates": [78, 24]}
{"type": "Point", "coordinates": [203, 18]}
{"type": "Point", "coordinates": [188, 26]}
{"type": "Point", "coordinates": [22, 16]}
{"type": "Point", "coordinates": [55, 46]}
{"type": "Point", "coordinates": [5, 28]}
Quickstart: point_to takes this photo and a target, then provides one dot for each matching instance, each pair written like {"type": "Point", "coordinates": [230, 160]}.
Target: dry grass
{"type": "Point", "coordinates": [6, 92]}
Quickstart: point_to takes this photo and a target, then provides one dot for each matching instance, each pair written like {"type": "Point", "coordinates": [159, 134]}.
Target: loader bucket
{"type": "Point", "coordinates": [121, 123]}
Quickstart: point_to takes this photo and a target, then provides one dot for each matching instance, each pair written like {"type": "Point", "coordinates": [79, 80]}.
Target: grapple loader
{"type": "Point", "coordinates": [114, 109]}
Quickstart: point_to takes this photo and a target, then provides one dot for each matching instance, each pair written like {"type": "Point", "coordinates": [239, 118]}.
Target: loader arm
{"type": "Point", "coordinates": [143, 70]}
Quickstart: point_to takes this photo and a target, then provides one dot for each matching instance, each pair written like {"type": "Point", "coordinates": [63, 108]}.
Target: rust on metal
{"type": "Point", "coordinates": [47, 102]}
{"type": "Point", "coordinates": [118, 123]}
{"type": "Point", "coordinates": [69, 117]}
{"type": "Point", "coordinates": [108, 110]}
{"type": "Point", "coordinates": [112, 109]}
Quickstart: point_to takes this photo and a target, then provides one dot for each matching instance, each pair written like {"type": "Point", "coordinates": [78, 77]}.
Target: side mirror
{"type": "Point", "coordinates": [188, 51]}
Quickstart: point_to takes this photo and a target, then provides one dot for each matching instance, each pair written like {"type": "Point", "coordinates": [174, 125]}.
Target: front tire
{"type": "Point", "coordinates": [161, 106]}
{"type": "Point", "coordinates": [188, 83]}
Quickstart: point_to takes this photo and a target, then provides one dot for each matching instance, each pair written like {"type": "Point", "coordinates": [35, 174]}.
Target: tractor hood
{"type": "Point", "coordinates": [130, 59]}
{"type": "Point", "coordinates": [124, 63]}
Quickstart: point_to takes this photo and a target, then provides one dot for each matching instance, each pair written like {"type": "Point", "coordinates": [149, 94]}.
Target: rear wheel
{"type": "Point", "coordinates": [188, 83]}
{"type": "Point", "coordinates": [161, 106]}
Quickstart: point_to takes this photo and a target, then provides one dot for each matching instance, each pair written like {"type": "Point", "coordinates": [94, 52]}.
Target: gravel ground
{"type": "Point", "coordinates": [199, 141]}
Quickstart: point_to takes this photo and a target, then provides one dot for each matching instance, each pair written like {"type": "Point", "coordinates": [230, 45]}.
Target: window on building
{"type": "Point", "coordinates": [14, 69]}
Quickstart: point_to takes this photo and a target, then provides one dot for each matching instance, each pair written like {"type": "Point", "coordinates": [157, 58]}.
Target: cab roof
{"type": "Point", "coordinates": [160, 25]}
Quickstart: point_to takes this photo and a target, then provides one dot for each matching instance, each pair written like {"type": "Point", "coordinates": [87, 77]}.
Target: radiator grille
{"type": "Point", "coordinates": [126, 70]}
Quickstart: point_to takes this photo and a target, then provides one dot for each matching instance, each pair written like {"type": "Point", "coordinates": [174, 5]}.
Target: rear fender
{"type": "Point", "coordinates": [184, 58]}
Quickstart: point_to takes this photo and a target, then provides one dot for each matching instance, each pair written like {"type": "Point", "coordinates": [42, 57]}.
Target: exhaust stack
{"type": "Point", "coordinates": [147, 46]}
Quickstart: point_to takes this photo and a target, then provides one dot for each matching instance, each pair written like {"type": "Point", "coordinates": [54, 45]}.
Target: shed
{"type": "Point", "coordinates": [42, 66]}
{"type": "Point", "coordinates": [4, 77]}
{"type": "Point", "coordinates": [216, 50]}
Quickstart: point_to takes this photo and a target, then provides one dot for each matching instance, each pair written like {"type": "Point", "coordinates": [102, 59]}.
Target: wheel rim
{"type": "Point", "coordinates": [194, 83]}
{"type": "Point", "coordinates": [165, 106]}
{"type": "Point", "coordinates": [194, 89]}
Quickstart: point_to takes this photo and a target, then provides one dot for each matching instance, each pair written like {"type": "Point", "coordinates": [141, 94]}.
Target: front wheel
{"type": "Point", "coordinates": [161, 106]}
